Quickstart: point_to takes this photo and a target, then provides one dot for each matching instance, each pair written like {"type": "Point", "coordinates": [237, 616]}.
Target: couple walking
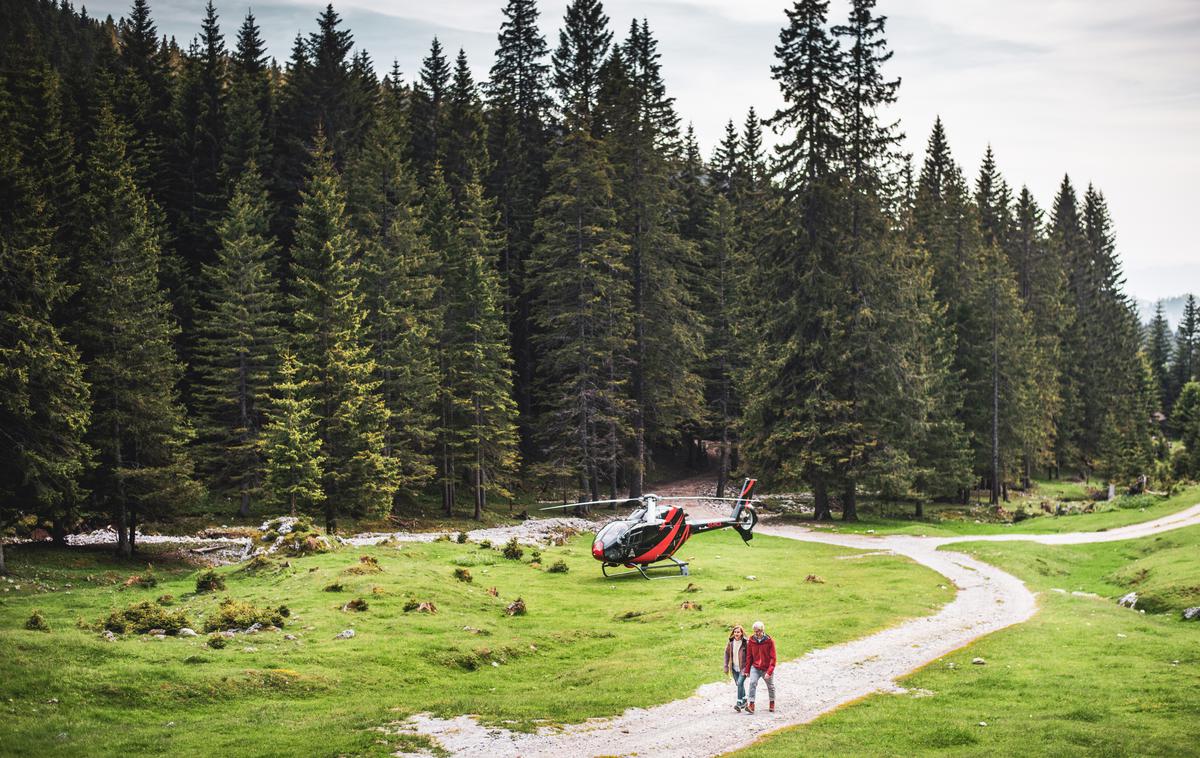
{"type": "Point", "coordinates": [750, 658]}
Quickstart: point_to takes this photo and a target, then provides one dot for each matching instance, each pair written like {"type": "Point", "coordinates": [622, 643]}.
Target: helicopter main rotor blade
{"type": "Point", "coordinates": [590, 502]}
{"type": "Point", "coordinates": [702, 497]}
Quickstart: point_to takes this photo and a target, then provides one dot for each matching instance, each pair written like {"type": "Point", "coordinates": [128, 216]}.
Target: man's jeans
{"type": "Point", "coordinates": [740, 680]}
{"type": "Point", "coordinates": [755, 675]}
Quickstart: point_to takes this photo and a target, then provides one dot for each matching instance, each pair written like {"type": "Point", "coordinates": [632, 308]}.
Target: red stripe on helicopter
{"type": "Point", "coordinates": [653, 553]}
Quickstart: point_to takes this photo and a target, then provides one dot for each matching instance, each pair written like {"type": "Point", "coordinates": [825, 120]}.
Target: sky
{"type": "Point", "coordinates": [1106, 91]}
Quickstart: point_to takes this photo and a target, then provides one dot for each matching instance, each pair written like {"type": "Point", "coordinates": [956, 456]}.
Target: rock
{"type": "Point", "coordinates": [345, 635]}
{"type": "Point", "coordinates": [752, 577]}
{"type": "Point", "coordinates": [109, 636]}
{"type": "Point", "coordinates": [289, 636]}
{"type": "Point", "coordinates": [1129, 601]}
{"type": "Point", "coordinates": [253, 628]}
{"type": "Point", "coordinates": [1121, 636]}
{"type": "Point", "coordinates": [1192, 614]}
{"type": "Point", "coordinates": [978, 661]}
{"type": "Point", "coordinates": [157, 632]}
{"type": "Point", "coordinates": [516, 608]}
{"type": "Point", "coordinates": [185, 632]}
{"type": "Point", "coordinates": [249, 649]}
{"type": "Point", "coordinates": [983, 723]}
{"type": "Point", "coordinates": [160, 636]}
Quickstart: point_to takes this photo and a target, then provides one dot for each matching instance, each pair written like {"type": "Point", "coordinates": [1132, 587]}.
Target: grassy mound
{"type": "Point", "coordinates": [238, 614]}
{"type": "Point", "coordinates": [142, 617]}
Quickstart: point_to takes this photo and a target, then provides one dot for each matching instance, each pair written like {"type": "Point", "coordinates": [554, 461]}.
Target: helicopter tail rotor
{"type": "Point", "coordinates": [744, 515]}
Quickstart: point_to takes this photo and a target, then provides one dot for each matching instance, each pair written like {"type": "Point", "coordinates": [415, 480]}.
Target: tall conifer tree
{"type": "Point", "coordinates": [239, 332]}
{"type": "Point", "coordinates": [328, 324]}
{"type": "Point", "coordinates": [138, 426]}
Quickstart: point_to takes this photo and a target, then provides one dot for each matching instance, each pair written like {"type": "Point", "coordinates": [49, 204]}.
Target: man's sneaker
{"type": "Point", "coordinates": [737, 707]}
{"type": "Point", "coordinates": [772, 706]}
{"type": "Point", "coordinates": [750, 707]}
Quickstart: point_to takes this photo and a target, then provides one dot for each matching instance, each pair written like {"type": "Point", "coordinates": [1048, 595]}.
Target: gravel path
{"type": "Point", "coordinates": [705, 724]}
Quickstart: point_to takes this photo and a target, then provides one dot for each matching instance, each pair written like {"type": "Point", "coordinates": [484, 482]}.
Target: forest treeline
{"type": "Point", "coordinates": [303, 286]}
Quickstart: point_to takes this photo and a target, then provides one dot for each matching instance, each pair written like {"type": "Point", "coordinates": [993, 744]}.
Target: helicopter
{"type": "Point", "coordinates": [652, 533]}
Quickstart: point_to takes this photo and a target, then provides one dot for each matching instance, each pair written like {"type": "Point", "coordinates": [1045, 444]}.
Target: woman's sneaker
{"type": "Point", "coordinates": [750, 707]}
{"type": "Point", "coordinates": [772, 706]}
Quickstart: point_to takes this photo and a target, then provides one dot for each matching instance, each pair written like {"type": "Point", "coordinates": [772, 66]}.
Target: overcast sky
{"type": "Point", "coordinates": [1105, 90]}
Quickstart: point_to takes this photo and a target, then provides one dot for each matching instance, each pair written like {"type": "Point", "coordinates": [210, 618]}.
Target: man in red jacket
{"type": "Point", "coordinates": [760, 664]}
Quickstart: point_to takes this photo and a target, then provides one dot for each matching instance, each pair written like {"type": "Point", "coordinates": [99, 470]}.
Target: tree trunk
{"type": "Point", "coordinates": [920, 509]}
{"type": "Point", "coordinates": [849, 503]}
{"type": "Point", "coordinates": [821, 510]}
{"type": "Point", "coordinates": [638, 480]}
{"type": "Point", "coordinates": [133, 522]}
{"type": "Point", "coordinates": [244, 509]}
{"type": "Point", "coordinates": [3, 565]}
{"type": "Point", "coordinates": [58, 532]}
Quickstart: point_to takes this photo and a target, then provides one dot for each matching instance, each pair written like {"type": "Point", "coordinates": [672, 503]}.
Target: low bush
{"type": "Point", "coordinates": [140, 618]}
{"type": "Point", "coordinates": [239, 614]}
{"type": "Point", "coordinates": [357, 605]}
{"type": "Point", "coordinates": [462, 575]}
{"type": "Point", "coordinates": [209, 581]}
{"type": "Point", "coordinates": [37, 622]}
{"type": "Point", "coordinates": [513, 550]}
{"type": "Point", "coordinates": [558, 567]}
{"type": "Point", "coordinates": [334, 587]}
{"type": "Point", "coordinates": [284, 611]}
{"type": "Point", "coordinates": [367, 564]}
{"type": "Point", "coordinates": [485, 544]}
{"type": "Point", "coordinates": [516, 608]}
{"type": "Point", "coordinates": [216, 641]}
{"type": "Point", "coordinates": [461, 538]}
{"type": "Point", "coordinates": [145, 580]}
{"type": "Point", "coordinates": [165, 599]}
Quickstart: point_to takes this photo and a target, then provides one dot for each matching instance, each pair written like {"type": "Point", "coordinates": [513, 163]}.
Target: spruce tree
{"type": "Point", "coordinates": [1185, 362]}
{"type": "Point", "coordinates": [518, 118]}
{"type": "Point", "coordinates": [248, 123]}
{"type": "Point", "coordinates": [666, 389]}
{"type": "Point", "coordinates": [127, 332]}
{"type": "Point", "coordinates": [428, 113]}
{"type": "Point", "coordinates": [464, 148]}
{"type": "Point", "coordinates": [723, 262]}
{"type": "Point", "coordinates": [398, 284]}
{"type": "Point", "coordinates": [1064, 245]}
{"type": "Point", "coordinates": [45, 403]}
{"type": "Point", "coordinates": [579, 288]}
{"type": "Point", "coordinates": [292, 446]}
{"type": "Point", "coordinates": [238, 341]}
{"type": "Point", "coordinates": [583, 45]}
{"type": "Point", "coordinates": [723, 165]}
{"type": "Point", "coordinates": [479, 371]}
{"type": "Point", "coordinates": [328, 326]}
{"type": "Point", "coordinates": [1158, 353]}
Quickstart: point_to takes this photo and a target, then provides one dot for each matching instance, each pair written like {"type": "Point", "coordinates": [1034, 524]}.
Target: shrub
{"type": "Point", "coordinates": [335, 587]}
{"type": "Point", "coordinates": [270, 536]}
{"type": "Point", "coordinates": [284, 611]}
{"type": "Point", "coordinates": [141, 617]}
{"type": "Point", "coordinates": [461, 538]}
{"type": "Point", "coordinates": [535, 555]}
{"type": "Point", "coordinates": [462, 575]}
{"type": "Point", "coordinates": [144, 580]}
{"type": "Point", "coordinates": [216, 641]}
{"type": "Point", "coordinates": [558, 567]}
{"type": "Point", "coordinates": [37, 622]}
{"type": "Point", "coordinates": [239, 614]}
{"type": "Point", "coordinates": [165, 599]}
{"type": "Point", "coordinates": [516, 608]}
{"type": "Point", "coordinates": [512, 550]}
{"type": "Point", "coordinates": [259, 564]}
{"type": "Point", "coordinates": [485, 544]}
{"type": "Point", "coordinates": [367, 564]}
{"type": "Point", "coordinates": [357, 605]}
{"type": "Point", "coordinates": [420, 607]}
{"type": "Point", "coordinates": [209, 581]}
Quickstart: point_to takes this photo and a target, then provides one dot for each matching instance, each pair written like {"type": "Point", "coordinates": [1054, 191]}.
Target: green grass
{"type": "Point", "coordinates": [1122, 512]}
{"type": "Point", "coordinates": [1082, 678]}
{"type": "Point", "coordinates": [588, 646]}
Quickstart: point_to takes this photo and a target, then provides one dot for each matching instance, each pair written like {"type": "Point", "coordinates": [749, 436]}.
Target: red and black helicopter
{"type": "Point", "coordinates": [652, 533]}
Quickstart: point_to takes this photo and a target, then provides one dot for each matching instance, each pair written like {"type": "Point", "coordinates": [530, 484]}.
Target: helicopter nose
{"type": "Point", "coordinates": [598, 550]}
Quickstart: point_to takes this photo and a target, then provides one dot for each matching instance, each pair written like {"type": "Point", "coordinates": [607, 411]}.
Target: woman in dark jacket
{"type": "Point", "coordinates": [735, 663]}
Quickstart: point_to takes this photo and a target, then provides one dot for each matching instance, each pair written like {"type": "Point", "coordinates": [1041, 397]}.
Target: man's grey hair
{"type": "Point", "coordinates": [758, 625]}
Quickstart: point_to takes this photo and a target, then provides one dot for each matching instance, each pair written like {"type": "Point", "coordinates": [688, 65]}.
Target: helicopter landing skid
{"type": "Point", "coordinates": [682, 566]}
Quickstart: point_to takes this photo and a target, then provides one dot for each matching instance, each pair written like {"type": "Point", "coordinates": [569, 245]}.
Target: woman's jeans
{"type": "Point", "coordinates": [755, 675]}
{"type": "Point", "coordinates": [740, 680]}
